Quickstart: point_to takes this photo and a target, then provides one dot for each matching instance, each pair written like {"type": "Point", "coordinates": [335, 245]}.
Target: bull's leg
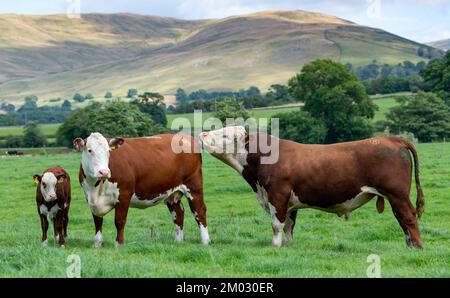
{"type": "Point", "coordinates": [406, 216]}
{"type": "Point", "coordinates": [98, 239]}
{"type": "Point", "coordinates": [176, 210]}
{"type": "Point", "coordinates": [44, 226]}
{"type": "Point", "coordinates": [198, 208]}
{"type": "Point", "coordinates": [120, 219]}
{"type": "Point", "coordinates": [289, 226]}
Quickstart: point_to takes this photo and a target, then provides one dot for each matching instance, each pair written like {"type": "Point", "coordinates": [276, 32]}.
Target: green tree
{"type": "Point", "coordinates": [33, 136]}
{"type": "Point", "coordinates": [300, 127]}
{"type": "Point", "coordinates": [89, 96]}
{"type": "Point", "coordinates": [437, 74]}
{"type": "Point", "coordinates": [13, 141]}
{"type": "Point", "coordinates": [230, 108]}
{"type": "Point", "coordinates": [108, 94]}
{"type": "Point", "coordinates": [335, 96]}
{"type": "Point", "coordinates": [29, 105]}
{"type": "Point", "coordinates": [181, 95]}
{"type": "Point", "coordinates": [114, 118]}
{"type": "Point", "coordinates": [425, 115]}
{"type": "Point", "coordinates": [152, 104]}
{"type": "Point", "coordinates": [78, 97]}
{"type": "Point", "coordinates": [66, 106]}
{"type": "Point", "coordinates": [132, 93]}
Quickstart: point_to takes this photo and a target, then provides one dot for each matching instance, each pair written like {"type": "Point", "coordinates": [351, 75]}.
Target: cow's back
{"type": "Point", "coordinates": [150, 165]}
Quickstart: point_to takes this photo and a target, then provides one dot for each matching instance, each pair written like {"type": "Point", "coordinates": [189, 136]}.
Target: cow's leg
{"type": "Point", "coordinates": [278, 204]}
{"type": "Point", "coordinates": [121, 213]}
{"type": "Point", "coordinates": [98, 238]}
{"type": "Point", "coordinates": [44, 226]}
{"type": "Point", "coordinates": [198, 208]}
{"type": "Point", "coordinates": [176, 210]}
{"type": "Point", "coordinates": [289, 226]}
{"type": "Point", "coordinates": [406, 216]}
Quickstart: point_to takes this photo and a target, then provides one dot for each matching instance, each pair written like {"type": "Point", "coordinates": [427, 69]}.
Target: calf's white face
{"type": "Point", "coordinates": [95, 154]}
{"type": "Point", "coordinates": [48, 187]}
{"type": "Point", "coordinates": [48, 184]}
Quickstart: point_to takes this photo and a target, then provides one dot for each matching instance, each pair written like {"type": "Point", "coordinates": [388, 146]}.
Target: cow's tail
{"type": "Point", "coordinates": [420, 201]}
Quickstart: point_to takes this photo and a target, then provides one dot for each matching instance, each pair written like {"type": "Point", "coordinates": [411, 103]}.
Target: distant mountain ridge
{"type": "Point", "coordinates": [55, 56]}
{"type": "Point", "coordinates": [441, 44]}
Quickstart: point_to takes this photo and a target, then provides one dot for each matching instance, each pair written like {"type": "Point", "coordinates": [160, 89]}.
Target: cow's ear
{"type": "Point", "coordinates": [37, 179]}
{"type": "Point", "coordinates": [116, 143]}
{"type": "Point", "coordinates": [61, 178]}
{"type": "Point", "coordinates": [79, 144]}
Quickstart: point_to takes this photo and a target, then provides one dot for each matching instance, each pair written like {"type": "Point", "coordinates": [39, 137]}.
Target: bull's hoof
{"type": "Point", "coordinates": [45, 243]}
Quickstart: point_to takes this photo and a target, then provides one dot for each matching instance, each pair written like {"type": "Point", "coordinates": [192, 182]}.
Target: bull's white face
{"type": "Point", "coordinates": [228, 145]}
{"type": "Point", "coordinates": [228, 140]}
{"type": "Point", "coordinates": [95, 157]}
{"type": "Point", "coordinates": [48, 187]}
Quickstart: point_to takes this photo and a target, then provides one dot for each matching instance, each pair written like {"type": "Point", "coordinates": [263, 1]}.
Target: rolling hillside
{"type": "Point", "coordinates": [53, 56]}
{"type": "Point", "coordinates": [441, 44]}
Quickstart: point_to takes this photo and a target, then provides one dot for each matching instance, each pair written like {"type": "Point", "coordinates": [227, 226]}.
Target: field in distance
{"type": "Point", "coordinates": [324, 245]}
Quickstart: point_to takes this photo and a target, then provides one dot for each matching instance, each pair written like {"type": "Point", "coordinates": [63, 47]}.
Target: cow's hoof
{"type": "Point", "coordinates": [97, 245]}
{"type": "Point", "coordinates": [276, 243]}
{"type": "Point", "coordinates": [45, 243]}
{"type": "Point", "coordinates": [63, 246]}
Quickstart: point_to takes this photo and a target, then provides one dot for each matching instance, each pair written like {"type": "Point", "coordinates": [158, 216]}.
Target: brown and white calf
{"type": "Point", "coordinates": [335, 178]}
{"type": "Point", "coordinates": [119, 173]}
{"type": "Point", "coordinates": [53, 195]}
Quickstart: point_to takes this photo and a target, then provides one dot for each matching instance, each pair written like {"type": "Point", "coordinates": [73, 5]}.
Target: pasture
{"type": "Point", "coordinates": [324, 245]}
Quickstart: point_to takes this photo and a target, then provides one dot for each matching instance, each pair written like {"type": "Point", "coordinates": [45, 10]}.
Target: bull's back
{"type": "Point", "coordinates": [340, 170]}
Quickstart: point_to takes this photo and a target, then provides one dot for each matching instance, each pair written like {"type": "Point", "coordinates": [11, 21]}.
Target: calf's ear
{"type": "Point", "coordinates": [116, 143]}
{"type": "Point", "coordinates": [37, 179]}
{"type": "Point", "coordinates": [79, 144]}
{"type": "Point", "coordinates": [61, 178]}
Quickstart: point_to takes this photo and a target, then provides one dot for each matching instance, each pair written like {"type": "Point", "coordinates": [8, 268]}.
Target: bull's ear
{"type": "Point", "coordinates": [116, 143]}
{"type": "Point", "coordinates": [37, 179]}
{"type": "Point", "coordinates": [61, 178]}
{"type": "Point", "coordinates": [79, 144]}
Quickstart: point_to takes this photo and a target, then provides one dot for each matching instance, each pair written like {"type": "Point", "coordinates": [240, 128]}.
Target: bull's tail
{"type": "Point", "coordinates": [420, 201]}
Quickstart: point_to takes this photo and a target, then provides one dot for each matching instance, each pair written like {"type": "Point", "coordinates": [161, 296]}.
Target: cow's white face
{"type": "Point", "coordinates": [95, 154]}
{"type": "Point", "coordinates": [228, 140]}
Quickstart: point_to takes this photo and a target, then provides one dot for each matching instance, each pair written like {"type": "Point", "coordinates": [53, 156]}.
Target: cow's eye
{"type": "Point", "coordinates": [90, 151]}
{"type": "Point", "coordinates": [44, 185]}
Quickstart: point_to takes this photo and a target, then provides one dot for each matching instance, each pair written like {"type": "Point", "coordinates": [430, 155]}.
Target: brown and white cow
{"type": "Point", "coordinates": [335, 178]}
{"type": "Point", "coordinates": [53, 195]}
{"type": "Point", "coordinates": [118, 173]}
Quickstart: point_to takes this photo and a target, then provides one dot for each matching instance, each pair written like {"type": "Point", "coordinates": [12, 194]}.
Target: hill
{"type": "Point", "coordinates": [54, 56]}
{"type": "Point", "coordinates": [441, 44]}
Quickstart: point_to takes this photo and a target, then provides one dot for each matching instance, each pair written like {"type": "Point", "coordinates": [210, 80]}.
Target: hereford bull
{"type": "Point", "coordinates": [53, 195]}
{"type": "Point", "coordinates": [335, 178]}
{"type": "Point", "coordinates": [118, 173]}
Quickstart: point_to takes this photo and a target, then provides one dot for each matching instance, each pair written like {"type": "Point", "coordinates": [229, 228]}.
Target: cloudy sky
{"type": "Point", "coordinates": [420, 20]}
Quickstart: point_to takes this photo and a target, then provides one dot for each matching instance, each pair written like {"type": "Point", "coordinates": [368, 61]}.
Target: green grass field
{"type": "Point", "coordinates": [48, 129]}
{"type": "Point", "coordinates": [324, 245]}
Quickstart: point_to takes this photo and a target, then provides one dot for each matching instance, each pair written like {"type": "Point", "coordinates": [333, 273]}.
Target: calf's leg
{"type": "Point", "coordinates": [44, 227]}
{"type": "Point", "coordinates": [59, 227]}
